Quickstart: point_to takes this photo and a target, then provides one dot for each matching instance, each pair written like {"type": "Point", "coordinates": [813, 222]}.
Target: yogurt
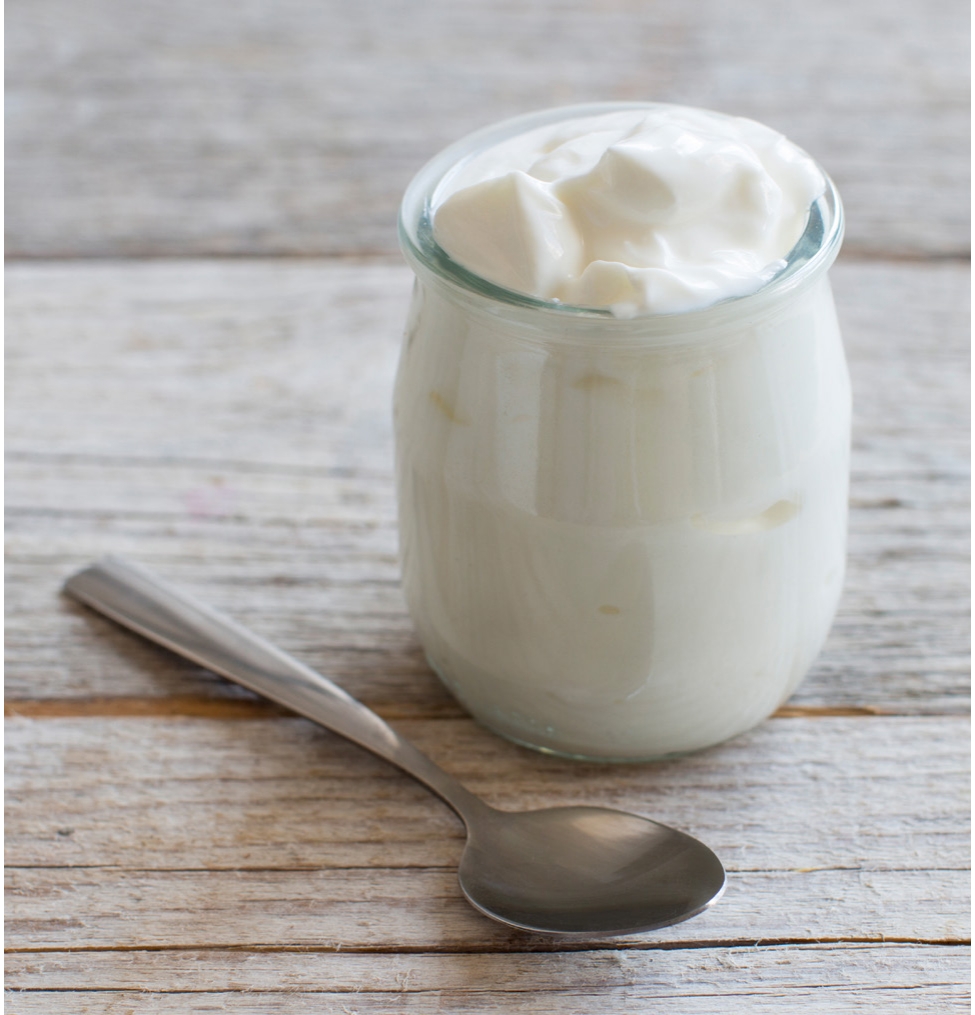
{"type": "Point", "coordinates": [622, 521]}
{"type": "Point", "coordinates": [658, 210]}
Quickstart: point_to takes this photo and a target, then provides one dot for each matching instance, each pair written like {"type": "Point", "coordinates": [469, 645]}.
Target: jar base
{"type": "Point", "coordinates": [559, 752]}
{"type": "Point", "coordinates": [554, 752]}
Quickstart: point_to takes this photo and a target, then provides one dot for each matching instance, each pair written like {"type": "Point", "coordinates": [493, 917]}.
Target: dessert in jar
{"type": "Point", "coordinates": [622, 420]}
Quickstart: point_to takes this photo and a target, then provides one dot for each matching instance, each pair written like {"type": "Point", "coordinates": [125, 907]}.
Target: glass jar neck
{"type": "Point", "coordinates": [808, 260]}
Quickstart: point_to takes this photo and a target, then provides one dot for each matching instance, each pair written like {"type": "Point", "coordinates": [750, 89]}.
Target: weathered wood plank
{"type": "Point", "coordinates": [278, 506]}
{"type": "Point", "coordinates": [329, 593]}
{"type": "Point", "coordinates": [294, 361]}
{"type": "Point", "coordinates": [424, 910]}
{"type": "Point", "coordinates": [888, 978]}
{"type": "Point", "coordinates": [172, 128]}
{"type": "Point", "coordinates": [284, 363]}
{"type": "Point", "coordinates": [926, 999]}
{"type": "Point", "coordinates": [823, 793]}
{"type": "Point", "coordinates": [294, 364]}
{"type": "Point", "coordinates": [671, 971]}
{"type": "Point", "coordinates": [328, 587]}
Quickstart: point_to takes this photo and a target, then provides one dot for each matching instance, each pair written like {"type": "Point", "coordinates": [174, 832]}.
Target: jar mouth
{"type": "Point", "coordinates": [812, 254]}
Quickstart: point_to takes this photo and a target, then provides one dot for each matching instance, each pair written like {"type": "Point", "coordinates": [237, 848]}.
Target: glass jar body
{"type": "Point", "coordinates": [621, 550]}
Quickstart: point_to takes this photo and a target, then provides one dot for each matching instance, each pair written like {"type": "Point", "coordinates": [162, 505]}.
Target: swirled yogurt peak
{"type": "Point", "coordinates": [656, 210]}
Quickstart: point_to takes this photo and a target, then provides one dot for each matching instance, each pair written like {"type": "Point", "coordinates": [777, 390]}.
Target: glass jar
{"type": "Point", "coordinates": [620, 539]}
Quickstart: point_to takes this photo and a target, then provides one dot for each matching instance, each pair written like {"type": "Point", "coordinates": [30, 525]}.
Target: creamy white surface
{"type": "Point", "coordinates": [656, 210]}
{"type": "Point", "coordinates": [622, 553]}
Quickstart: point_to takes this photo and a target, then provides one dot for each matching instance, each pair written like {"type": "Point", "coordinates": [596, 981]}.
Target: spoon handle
{"type": "Point", "coordinates": [136, 598]}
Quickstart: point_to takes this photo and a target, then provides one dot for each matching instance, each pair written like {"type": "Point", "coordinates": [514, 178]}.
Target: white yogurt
{"type": "Point", "coordinates": [657, 210]}
{"type": "Point", "coordinates": [621, 538]}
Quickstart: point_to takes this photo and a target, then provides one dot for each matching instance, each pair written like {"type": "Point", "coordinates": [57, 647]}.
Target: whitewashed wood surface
{"type": "Point", "coordinates": [292, 126]}
{"type": "Point", "coordinates": [174, 844]}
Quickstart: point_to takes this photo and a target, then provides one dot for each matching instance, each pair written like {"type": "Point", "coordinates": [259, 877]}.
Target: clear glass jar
{"type": "Point", "coordinates": [620, 539]}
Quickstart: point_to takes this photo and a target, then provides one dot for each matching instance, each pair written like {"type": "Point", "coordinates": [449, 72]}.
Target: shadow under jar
{"type": "Point", "coordinates": [620, 539]}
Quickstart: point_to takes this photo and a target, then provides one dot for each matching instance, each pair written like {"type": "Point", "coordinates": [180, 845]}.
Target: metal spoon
{"type": "Point", "coordinates": [564, 870]}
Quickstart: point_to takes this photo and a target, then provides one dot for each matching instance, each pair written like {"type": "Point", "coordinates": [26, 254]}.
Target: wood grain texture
{"type": "Point", "coordinates": [772, 971]}
{"type": "Point", "coordinates": [200, 794]}
{"type": "Point", "coordinates": [254, 467]}
{"type": "Point", "coordinates": [292, 127]}
{"type": "Point", "coordinates": [813, 978]}
{"type": "Point", "coordinates": [406, 910]}
{"type": "Point", "coordinates": [422, 909]}
{"type": "Point", "coordinates": [936, 998]}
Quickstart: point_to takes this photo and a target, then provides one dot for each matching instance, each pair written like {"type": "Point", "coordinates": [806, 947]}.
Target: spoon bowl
{"type": "Point", "coordinates": [586, 870]}
{"type": "Point", "coordinates": [566, 870]}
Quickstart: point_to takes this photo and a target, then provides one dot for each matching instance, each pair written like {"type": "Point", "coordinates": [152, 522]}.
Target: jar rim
{"type": "Point", "coordinates": [811, 256]}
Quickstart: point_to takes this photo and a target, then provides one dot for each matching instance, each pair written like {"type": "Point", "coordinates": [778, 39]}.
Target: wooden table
{"type": "Point", "coordinates": [203, 318]}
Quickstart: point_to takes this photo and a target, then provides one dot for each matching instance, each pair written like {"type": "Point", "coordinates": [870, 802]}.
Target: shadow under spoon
{"type": "Point", "coordinates": [562, 870]}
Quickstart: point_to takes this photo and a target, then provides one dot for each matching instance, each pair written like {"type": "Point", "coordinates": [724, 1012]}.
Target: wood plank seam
{"type": "Point", "coordinates": [531, 947]}
{"type": "Point", "coordinates": [189, 706]}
